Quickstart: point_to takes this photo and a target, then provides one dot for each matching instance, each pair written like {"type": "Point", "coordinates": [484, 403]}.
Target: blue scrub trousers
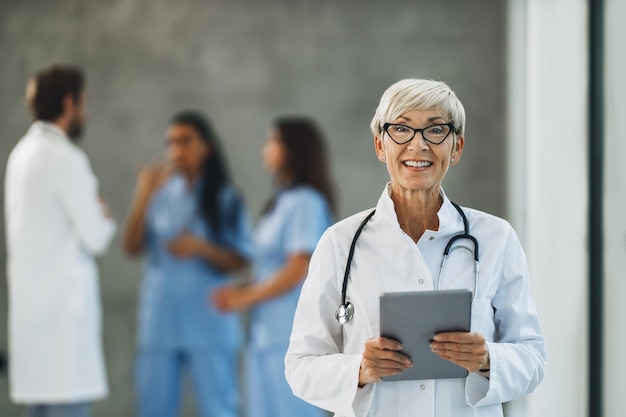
{"type": "Point", "coordinates": [58, 410]}
{"type": "Point", "coordinates": [267, 392]}
{"type": "Point", "coordinates": [213, 373]}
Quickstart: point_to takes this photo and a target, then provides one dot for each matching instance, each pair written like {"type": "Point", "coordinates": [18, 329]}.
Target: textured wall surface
{"type": "Point", "coordinates": [244, 62]}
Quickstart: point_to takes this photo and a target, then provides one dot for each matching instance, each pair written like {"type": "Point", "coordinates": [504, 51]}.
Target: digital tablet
{"type": "Point", "coordinates": [413, 318]}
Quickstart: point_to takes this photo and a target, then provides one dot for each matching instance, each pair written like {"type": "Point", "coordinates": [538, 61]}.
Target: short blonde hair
{"type": "Point", "coordinates": [416, 94]}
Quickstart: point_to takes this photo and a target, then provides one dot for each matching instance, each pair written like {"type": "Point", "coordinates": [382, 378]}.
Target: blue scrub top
{"type": "Point", "coordinates": [174, 306]}
{"type": "Point", "coordinates": [299, 218]}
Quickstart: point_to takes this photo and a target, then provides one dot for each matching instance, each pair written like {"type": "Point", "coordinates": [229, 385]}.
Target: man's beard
{"type": "Point", "coordinates": [75, 130]}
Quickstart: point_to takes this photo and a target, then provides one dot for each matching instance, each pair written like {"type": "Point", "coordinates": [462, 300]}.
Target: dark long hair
{"type": "Point", "coordinates": [214, 175]}
{"type": "Point", "coordinates": [306, 159]}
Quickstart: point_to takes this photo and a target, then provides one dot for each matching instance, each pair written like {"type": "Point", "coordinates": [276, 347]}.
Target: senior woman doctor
{"type": "Point", "coordinates": [418, 133]}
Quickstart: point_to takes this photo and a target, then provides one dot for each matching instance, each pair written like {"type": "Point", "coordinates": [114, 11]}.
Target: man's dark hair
{"type": "Point", "coordinates": [46, 90]}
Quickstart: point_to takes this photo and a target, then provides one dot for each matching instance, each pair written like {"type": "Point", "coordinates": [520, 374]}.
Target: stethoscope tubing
{"type": "Point", "coordinates": [344, 286]}
{"type": "Point", "coordinates": [345, 311]}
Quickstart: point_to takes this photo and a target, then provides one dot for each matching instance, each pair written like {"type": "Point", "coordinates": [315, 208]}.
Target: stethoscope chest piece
{"type": "Point", "coordinates": [344, 313]}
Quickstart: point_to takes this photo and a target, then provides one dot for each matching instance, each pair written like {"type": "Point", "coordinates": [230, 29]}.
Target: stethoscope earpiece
{"type": "Point", "coordinates": [344, 313]}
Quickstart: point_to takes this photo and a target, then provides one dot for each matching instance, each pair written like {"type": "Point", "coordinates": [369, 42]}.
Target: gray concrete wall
{"type": "Point", "coordinates": [244, 62]}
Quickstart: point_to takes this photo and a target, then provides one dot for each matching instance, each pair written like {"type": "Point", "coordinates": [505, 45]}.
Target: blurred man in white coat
{"type": "Point", "coordinates": [56, 223]}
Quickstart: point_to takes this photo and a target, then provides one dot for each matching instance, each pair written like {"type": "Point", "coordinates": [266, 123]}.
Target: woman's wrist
{"type": "Point", "coordinates": [360, 382]}
{"type": "Point", "coordinates": [486, 365]}
{"type": "Point", "coordinates": [249, 295]}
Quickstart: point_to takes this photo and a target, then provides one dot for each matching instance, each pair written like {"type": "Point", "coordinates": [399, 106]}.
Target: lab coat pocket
{"type": "Point", "coordinates": [482, 318]}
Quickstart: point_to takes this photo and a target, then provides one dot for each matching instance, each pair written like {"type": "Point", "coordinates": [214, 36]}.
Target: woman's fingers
{"type": "Point", "coordinates": [460, 337]}
{"type": "Point", "coordinates": [383, 349]}
{"type": "Point", "coordinates": [383, 343]}
{"type": "Point", "coordinates": [468, 350]}
{"type": "Point", "coordinates": [381, 357]}
{"type": "Point", "coordinates": [386, 359]}
{"type": "Point", "coordinates": [220, 298]}
{"type": "Point", "coordinates": [471, 365]}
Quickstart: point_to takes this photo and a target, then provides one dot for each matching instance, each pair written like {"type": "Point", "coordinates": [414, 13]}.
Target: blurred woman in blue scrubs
{"type": "Point", "coordinates": [293, 221]}
{"type": "Point", "coordinates": [192, 225]}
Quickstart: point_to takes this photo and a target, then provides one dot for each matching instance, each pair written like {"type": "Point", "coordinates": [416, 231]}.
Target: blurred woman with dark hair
{"type": "Point", "coordinates": [292, 222]}
{"type": "Point", "coordinates": [192, 224]}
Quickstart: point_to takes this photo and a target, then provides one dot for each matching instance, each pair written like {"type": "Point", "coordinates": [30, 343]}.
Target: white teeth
{"type": "Point", "coordinates": [417, 164]}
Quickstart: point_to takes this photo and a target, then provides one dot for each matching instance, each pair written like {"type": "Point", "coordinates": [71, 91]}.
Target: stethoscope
{"type": "Point", "coordinates": [345, 311]}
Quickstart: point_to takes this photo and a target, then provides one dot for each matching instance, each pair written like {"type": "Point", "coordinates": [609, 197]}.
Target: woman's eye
{"type": "Point", "coordinates": [400, 129]}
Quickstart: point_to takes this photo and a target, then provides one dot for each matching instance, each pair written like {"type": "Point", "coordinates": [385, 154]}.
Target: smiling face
{"type": "Point", "coordinates": [418, 166]}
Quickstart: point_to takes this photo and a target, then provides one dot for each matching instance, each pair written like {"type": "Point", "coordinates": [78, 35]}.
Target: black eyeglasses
{"type": "Point", "coordinates": [434, 134]}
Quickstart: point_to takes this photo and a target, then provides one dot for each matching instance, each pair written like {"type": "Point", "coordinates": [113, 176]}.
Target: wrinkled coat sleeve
{"type": "Point", "coordinates": [78, 194]}
{"type": "Point", "coordinates": [518, 354]}
{"type": "Point", "coordinates": [315, 366]}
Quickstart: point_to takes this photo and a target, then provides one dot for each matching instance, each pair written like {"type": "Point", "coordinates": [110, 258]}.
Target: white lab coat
{"type": "Point", "coordinates": [55, 226]}
{"type": "Point", "coordinates": [322, 363]}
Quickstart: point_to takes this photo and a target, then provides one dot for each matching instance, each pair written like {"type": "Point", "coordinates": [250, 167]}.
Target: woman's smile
{"type": "Point", "coordinates": [411, 163]}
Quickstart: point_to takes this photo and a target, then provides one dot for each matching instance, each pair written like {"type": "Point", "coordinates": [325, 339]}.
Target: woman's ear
{"type": "Point", "coordinates": [457, 151]}
{"type": "Point", "coordinates": [379, 147]}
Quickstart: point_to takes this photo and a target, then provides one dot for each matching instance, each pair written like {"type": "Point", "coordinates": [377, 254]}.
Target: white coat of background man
{"type": "Point", "coordinates": [56, 224]}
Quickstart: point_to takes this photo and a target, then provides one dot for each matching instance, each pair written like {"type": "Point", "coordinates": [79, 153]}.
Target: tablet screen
{"type": "Point", "coordinates": [414, 318]}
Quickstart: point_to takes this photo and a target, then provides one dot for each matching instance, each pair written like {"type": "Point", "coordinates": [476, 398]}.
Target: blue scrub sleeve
{"type": "Point", "coordinates": [237, 233]}
{"type": "Point", "coordinates": [307, 220]}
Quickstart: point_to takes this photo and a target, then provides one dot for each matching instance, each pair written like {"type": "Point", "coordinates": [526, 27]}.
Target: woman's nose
{"type": "Point", "coordinates": [418, 143]}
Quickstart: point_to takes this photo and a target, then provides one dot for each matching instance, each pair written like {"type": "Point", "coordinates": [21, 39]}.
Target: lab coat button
{"type": "Point", "coordinates": [421, 281]}
{"type": "Point", "coordinates": [423, 387]}
{"type": "Point", "coordinates": [431, 238]}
